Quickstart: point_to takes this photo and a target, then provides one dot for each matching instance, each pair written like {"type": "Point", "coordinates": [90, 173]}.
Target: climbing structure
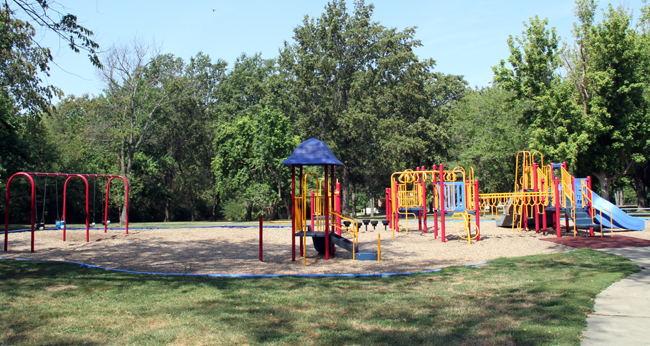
{"type": "Point", "coordinates": [325, 223]}
{"type": "Point", "coordinates": [452, 192]}
{"type": "Point", "coordinates": [542, 192]}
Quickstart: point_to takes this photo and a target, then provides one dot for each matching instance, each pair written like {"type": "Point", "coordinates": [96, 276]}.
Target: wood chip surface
{"type": "Point", "coordinates": [235, 250]}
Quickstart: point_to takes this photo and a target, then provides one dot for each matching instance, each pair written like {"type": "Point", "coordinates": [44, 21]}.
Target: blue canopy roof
{"type": "Point", "coordinates": [312, 152]}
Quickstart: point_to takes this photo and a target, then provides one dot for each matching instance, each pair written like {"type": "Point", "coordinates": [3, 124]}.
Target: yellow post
{"type": "Point", "coordinates": [378, 247]}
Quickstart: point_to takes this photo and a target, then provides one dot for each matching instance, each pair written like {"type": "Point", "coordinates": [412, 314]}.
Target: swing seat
{"type": "Point", "coordinates": [60, 224]}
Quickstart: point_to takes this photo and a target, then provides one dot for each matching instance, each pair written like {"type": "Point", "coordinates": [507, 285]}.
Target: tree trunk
{"type": "Point", "coordinates": [604, 182]}
{"type": "Point", "coordinates": [372, 206]}
{"type": "Point", "coordinates": [345, 188]}
{"type": "Point", "coordinates": [640, 188]}
{"type": "Point", "coordinates": [192, 208]}
{"type": "Point", "coordinates": [287, 205]}
{"type": "Point", "coordinates": [619, 198]}
{"type": "Point", "coordinates": [215, 205]}
{"type": "Point", "coordinates": [249, 211]}
{"type": "Point", "coordinates": [166, 210]}
{"type": "Point", "coordinates": [354, 201]}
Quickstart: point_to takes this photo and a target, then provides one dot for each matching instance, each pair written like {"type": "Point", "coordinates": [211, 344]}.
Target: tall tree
{"type": "Point", "coordinates": [139, 83]}
{"type": "Point", "coordinates": [249, 151]}
{"type": "Point", "coordinates": [487, 132]}
{"type": "Point", "coordinates": [594, 116]}
{"type": "Point", "coordinates": [359, 87]}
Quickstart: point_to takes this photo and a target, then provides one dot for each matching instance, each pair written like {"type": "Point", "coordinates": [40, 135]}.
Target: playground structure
{"type": "Point", "coordinates": [30, 176]}
{"type": "Point", "coordinates": [326, 224]}
{"type": "Point", "coordinates": [542, 192]}
{"type": "Point", "coordinates": [455, 193]}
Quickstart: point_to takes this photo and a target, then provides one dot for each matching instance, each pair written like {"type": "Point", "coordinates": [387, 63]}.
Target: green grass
{"type": "Point", "coordinates": [535, 300]}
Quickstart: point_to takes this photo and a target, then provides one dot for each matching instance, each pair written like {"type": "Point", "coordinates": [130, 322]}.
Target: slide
{"type": "Point", "coordinates": [621, 219]}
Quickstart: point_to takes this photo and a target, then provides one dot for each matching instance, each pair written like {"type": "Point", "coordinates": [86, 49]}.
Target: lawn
{"type": "Point", "coordinates": [534, 300]}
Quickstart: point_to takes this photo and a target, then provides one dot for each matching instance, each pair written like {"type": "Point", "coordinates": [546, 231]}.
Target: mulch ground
{"type": "Point", "coordinates": [606, 242]}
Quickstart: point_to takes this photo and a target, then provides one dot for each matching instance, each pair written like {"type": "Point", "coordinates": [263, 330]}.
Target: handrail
{"type": "Point", "coordinates": [567, 189]}
{"type": "Point", "coordinates": [351, 231]}
{"type": "Point", "coordinates": [517, 200]}
{"type": "Point", "coordinates": [586, 197]}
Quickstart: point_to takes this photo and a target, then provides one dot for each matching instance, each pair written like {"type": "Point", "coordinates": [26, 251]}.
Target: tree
{"type": "Point", "coordinates": [359, 87]}
{"type": "Point", "coordinates": [67, 28]}
{"type": "Point", "coordinates": [138, 86]}
{"type": "Point", "coordinates": [594, 116]}
{"type": "Point", "coordinates": [249, 151]}
{"type": "Point", "coordinates": [487, 133]}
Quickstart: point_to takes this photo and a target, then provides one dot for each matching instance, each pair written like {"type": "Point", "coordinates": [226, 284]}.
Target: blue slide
{"type": "Point", "coordinates": [621, 219]}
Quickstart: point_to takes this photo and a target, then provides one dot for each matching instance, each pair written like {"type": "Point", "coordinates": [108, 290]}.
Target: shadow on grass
{"type": "Point", "coordinates": [533, 300]}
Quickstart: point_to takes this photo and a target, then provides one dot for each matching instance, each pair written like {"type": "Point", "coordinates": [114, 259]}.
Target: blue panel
{"type": "Point", "coordinates": [578, 191]}
{"type": "Point", "coordinates": [312, 152]}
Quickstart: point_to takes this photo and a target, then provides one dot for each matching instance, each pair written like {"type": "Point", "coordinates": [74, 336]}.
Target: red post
{"type": "Point", "coordinates": [302, 210]}
{"type": "Point", "coordinates": [327, 215]}
{"type": "Point", "coordinates": [591, 196]}
{"type": "Point", "coordinates": [424, 200]}
{"type": "Point", "coordinates": [261, 233]}
{"type": "Point", "coordinates": [478, 212]}
{"type": "Point", "coordinates": [435, 207]}
{"type": "Point", "coordinates": [389, 215]}
{"type": "Point", "coordinates": [419, 212]}
{"type": "Point", "coordinates": [536, 199]}
{"type": "Point", "coordinates": [293, 213]}
{"type": "Point", "coordinates": [557, 207]}
{"type": "Point", "coordinates": [442, 203]}
{"type": "Point", "coordinates": [65, 197]}
{"type": "Point", "coordinates": [544, 225]}
{"type": "Point", "coordinates": [396, 202]}
{"type": "Point", "coordinates": [337, 205]}
{"type": "Point", "coordinates": [33, 215]}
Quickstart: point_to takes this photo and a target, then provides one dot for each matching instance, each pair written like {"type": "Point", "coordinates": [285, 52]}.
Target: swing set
{"type": "Point", "coordinates": [61, 223]}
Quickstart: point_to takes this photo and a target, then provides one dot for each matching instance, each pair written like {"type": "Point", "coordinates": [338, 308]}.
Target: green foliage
{"type": "Point", "coordinates": [585, 104]}
{"type": "Point", "coordinates": [67, 28]}
{"type": "Point", "coordinates": [21, 62]}
{"type": "Point", "coordinates": [233, 210]}
{"type": "Point", "coordinates": [487, 133]}
{"type": "Point", "coordinates": [359, 87]}
{"type": "Point", "coordinates": [248, 153]}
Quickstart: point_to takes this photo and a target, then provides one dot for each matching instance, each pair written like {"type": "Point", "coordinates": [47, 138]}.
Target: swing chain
{"type": "Point", "coordinates": [44, 197]}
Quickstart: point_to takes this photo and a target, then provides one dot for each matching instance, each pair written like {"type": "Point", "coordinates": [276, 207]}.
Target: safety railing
{"type": "Point", "coordinates": [352, 230]}
{"type": "Point", "coordinates": [566, 184]}
{"type": "Point", "coordinates": [409, 197]}
{"type": "Point", "coordinates": [586, 193]}
{"type": "Point", "coordinates": [517, 203]}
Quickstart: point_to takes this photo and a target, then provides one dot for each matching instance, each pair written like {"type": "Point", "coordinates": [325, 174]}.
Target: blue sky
{"type": "Point", "coordinates": [464, 37]}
